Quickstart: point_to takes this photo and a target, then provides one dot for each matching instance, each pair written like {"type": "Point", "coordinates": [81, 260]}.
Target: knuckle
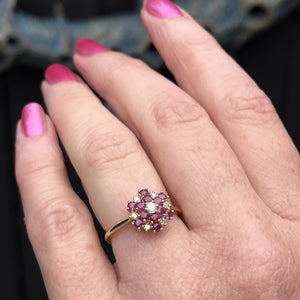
{"type": "Point", "coordinates": [35, 167]}
{"type": "Point", "coordinates": [205, 43]}
{"type": "Point", "coordinates": [124, 65]}
{"type": "Point", "coordinates": [190, 52]}
{"type": "Point", "coordinates": [175, 111]}
{"type": "Point", "coordinates": [261, 257]}
{"type": "Point", "coordinates": [250, 105]}
{"type": "Point", "coordinates": [104, 149]}
{"type": "Point", "coordinates": [56, 221]}
{"type": "Point", "coordinates": [267, 265]}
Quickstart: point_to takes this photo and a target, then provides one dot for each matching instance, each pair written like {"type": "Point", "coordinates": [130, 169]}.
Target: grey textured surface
{"type": "Point", "coordinates": [40, 41]}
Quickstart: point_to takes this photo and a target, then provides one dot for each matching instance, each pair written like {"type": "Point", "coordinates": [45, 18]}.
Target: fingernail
{"type": "Point", "coordinates": [163, 9]}
{"type": "Point", "coordinates": [58, 73]}
{"type": "Point", "coordinates": [33, 120]}
{"type": "Point", "coordinates": [87, 47]}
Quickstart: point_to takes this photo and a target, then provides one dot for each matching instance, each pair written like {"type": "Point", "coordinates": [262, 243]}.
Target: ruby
{"type": "Point", "coordinates": [156, 227]}
{"type": "Point", "coordinates": [169, 214]}
{"type": "Point", "coordinates": [144, 192]}
{"type": "Point", "coordinates": [131, 205]}
{"type": "Point", "coordinates": [147, 198]}
{"type": "Point", "coordinates": [161, 210]}
{"type": "Point", "coordinates": [140, 206]}
{"type": "Point", "coordinates": [144, 215]}
{"type": "Point", "coordinates": [154, 218]}
{"type": "Point", "coordinates": [157, 200]}
{"type": "Point", "coordinates": [162, 196]}
{"type": "Point", "coordinates": [138, 223]}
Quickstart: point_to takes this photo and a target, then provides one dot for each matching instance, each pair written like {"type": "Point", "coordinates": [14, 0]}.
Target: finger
{"type": "Point", "coordinates": [108, 158]}
{"type": "Point", "coordinates": [239, 109]}
{"type": "Point", "coordinates": [191, 156]}
{"type": "Point", "coordinates": [59, 225]}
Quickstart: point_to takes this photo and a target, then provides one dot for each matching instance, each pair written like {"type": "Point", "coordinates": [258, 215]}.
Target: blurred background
{"type": "Point", "coordinates": [262, 35]}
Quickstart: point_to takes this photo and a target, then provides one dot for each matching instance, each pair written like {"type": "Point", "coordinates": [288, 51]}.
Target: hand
{"type": "Point", "coordinates": [215, 143]}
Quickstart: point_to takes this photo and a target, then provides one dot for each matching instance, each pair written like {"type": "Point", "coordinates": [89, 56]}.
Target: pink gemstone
{"type": "Point", "coordinates": [147, 198]}
{"type": "Point", "coordinates": [161, 210]}
{"type": "Point", "coordinates": [144, 215]}
{"type": "Point", "coordinates": [131, 205]}
{"type": "Point", "coordinates": [156, 227]}
{"type": "Point", "coordinates": [162, 196]}
{"type": "Point", "coordinates": [154, 218]}
{"type": "Point", "coordinates": [138, 223]}
{"type": "Point", "coordinates": [157, 200]}
{"type": "Point", "coordinates": [169, 214]}
{"type": "Point", "coordinates": [144, 192]}
{"type": "Point", "coordinates": [140, 206]}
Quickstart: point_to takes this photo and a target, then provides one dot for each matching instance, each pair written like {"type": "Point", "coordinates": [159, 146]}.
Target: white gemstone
{"type": "Point", "coordinates": [163, 221]}
{"type": "Point", "coordinates": [167, 205]}
{"type": "Point", "coordinates": [151, 207]}
{"type": "Point", "coordinates": [136, 199]}
{"type": "Point", "coordinates": [153, 195]}
{"type": "Point", "coordinates": [133, 216]}
{"type": "Point", "coordinates": [147, 227]}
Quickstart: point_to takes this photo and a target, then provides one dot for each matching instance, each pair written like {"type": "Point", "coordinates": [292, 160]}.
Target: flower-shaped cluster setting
{"type": "Point", "coordinates": [150, 211]}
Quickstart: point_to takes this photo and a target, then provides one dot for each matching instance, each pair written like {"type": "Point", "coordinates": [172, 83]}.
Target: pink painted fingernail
{"type": "Point", "coordinates": [163, 9]}
{"type": "Point", "coordinates": [33, 120]}
{"type": "Point", "coordinates": [87, 47]}
{"type": "Point", "coordinates": [58, 73]}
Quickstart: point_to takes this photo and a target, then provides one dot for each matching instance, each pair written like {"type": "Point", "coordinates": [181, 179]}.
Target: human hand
{"type": "Point", "coordinates": [215, 144]}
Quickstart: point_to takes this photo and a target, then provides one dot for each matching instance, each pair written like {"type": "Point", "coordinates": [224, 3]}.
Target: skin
{"type": "Point", "coordinates": [214, 142]}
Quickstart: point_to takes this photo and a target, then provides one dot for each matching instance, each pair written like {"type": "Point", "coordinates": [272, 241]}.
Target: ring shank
{"type": "Point", "coordinates": [117, 227]}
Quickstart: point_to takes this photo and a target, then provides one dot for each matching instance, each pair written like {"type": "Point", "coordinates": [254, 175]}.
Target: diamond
{"type": "Point", "coordinates": [151, 207]}
{"type": "Point", "coordinates": [153, 195]}
{"type": "Point", "coordinates": [133, 216]}
{"type": "Point", "coordinates": [147, 227]}
{"type": "Point", "coordinates": [167, 205]}
{"type": "Point", "coordinates": [136, 199]}
{"type": "Point", "coordinates": [163, 221]}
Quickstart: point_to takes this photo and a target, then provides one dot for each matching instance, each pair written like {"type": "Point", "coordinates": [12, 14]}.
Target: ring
{"type": "Point", "coordinates": [149, 211]}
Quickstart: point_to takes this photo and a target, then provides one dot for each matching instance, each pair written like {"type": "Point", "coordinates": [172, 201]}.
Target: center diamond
{"type": "Point", "coordinates": [151, 207]}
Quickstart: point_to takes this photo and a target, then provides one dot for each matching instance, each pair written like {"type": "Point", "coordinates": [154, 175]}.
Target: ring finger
{"type": "Point", "coordinates": [109, 159]}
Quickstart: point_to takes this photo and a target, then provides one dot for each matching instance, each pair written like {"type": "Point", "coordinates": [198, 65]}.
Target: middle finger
{"type": "Point", "coordinates": [192, 157]}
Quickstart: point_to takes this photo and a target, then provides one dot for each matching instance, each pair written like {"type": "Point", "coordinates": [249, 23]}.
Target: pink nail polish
{"type": "Point", "coordinates": [33, 120]}
{"type": "Point", "coordinates": [87, 47]}
{"type": "Point", "coordinates": [163, 9]}
{"type": "Point", "coordinates": [58, 73]}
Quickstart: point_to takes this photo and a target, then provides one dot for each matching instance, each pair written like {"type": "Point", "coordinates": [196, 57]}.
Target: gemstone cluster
{"type": "Point", "coordinates": [150, 211]}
